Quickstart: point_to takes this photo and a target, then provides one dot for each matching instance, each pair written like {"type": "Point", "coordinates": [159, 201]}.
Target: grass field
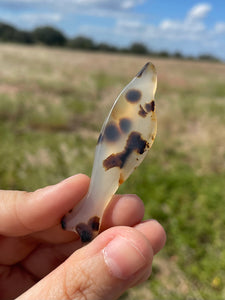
{"type": "Point", "coordinates": [52, 105]}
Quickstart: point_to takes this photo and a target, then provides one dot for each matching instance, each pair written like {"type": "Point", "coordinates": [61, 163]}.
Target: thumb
{"type": "Point", "coordinates": [116, 260]}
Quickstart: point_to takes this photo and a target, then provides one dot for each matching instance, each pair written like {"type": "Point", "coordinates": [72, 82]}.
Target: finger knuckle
{"type": "Point", "coordinates": [85, 287]}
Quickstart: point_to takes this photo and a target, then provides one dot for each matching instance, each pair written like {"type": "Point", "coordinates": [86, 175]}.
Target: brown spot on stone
{"type": "Point", "coordinates": [153, 137]}
{"type": "Point", "coordinates": [133, 96]}
{"type": "Point", "coordinates": [85, 232]}
{"type": "Point", "coordinates": [94, 223]}
{"type": "Point", "coordinates": [121, 179]}
{"type": "Point", "coordinates": [142, 112]}
{"type": "Point", "coordinates": [135, 143]}
{"type": "Point", "coordinates": [112, 132]}
{"type": "Point", "coordinates": [150, 106]}
{"type": "Point", "coordinates": [125, 125]}
{"type": "Point", "coordinates": [139, 74]}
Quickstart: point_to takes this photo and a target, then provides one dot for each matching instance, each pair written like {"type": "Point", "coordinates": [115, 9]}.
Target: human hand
{"type": "Point", "coordinates": [38, 256]}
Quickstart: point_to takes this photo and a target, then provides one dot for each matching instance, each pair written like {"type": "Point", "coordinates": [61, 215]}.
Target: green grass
{"type": "Point", "coordinates": [52, 105]}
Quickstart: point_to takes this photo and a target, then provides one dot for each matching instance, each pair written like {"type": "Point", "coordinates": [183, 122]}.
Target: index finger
{"type": "Point", "coordinates": [22, 213]}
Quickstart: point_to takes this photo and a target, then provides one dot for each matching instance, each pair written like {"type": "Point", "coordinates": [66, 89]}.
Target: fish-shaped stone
{"type": "Point", "coordinates": [125, 138]}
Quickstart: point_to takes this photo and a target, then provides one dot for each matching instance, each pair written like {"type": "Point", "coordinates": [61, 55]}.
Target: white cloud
{"type": "Point", "coordinates": [191, 28]}
{"type": "Point", "coordinates": [31, 20]}
{"type": "Point", "coordinates": [219, 28]}
{"type": "Point", "coordinates": [88, 5]}
{"type": "Point", "coordinates": [18, 1]}
{"type": "Point", "coordinates": [129, 24]}
{"type": "Point", "coordinates": [190, 35]}
{"type": "Point", "coordinates": [103, 8]}
{"type": "Point", "coordinates": [199, 11]}
{"type": "Point", "coordinates": [127, 4]}
{"type": "Point", "coordinates": [107, 9]}
{"type": "Point", "coordinates": [41, 18]}
{"type": "Point", "coordinates": [36, 12]}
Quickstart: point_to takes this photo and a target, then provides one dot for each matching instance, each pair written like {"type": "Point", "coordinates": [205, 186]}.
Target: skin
{"type": "Point", "coordinates": [38, 257]}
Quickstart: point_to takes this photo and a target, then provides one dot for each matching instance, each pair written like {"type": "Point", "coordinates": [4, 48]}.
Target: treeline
{"type": "Point", "coordinates": [50, 36]}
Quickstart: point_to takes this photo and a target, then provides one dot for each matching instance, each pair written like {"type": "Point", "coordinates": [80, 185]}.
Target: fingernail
{"type": "Point", "coordinates": [123, 258]}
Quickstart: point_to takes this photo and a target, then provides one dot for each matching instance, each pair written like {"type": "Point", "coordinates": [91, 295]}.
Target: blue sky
{"type": "Point", "coordinates": [192, 27]}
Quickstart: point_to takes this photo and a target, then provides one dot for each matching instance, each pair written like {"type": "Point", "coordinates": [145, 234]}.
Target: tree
{"type": "Point", "coordinates": [24, 37]}
{"type": "Point", "coordinates": [82, 42]}
{"type": "Point", "coordinates": [208, 57]}
{"type": "Point", "coordinates": [138, 48]}
{"type": "Point", "coordinates": [49, 36]}
{"type": "Point", "coordinates": [7, 32]}
{"type": "Point", "coordinates": [177, 54]}
{"type": "Point", "coordinates": [106, 47]}
{"type": "Point", "coordinates": [10, 34]}
{"type": "Point", "coordinates": [164, 53]}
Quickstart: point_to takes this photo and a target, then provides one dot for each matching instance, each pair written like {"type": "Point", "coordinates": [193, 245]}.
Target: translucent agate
{"type": "Point", "coordinates": [125, 138]}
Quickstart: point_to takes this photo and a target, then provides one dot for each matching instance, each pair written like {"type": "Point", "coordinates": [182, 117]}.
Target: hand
{"type": "Point", "coordinates": [38, 257]}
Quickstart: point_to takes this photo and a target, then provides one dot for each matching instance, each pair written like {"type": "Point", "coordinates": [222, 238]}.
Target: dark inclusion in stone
{"type": "Point", "coordinates": [112, 132]}
{"type": "Point", "coordinates": [135, 143]}
{"type": "Point", "coordinates": [142, 112]}
{"type": "Point", "coordinates": [150, 106]}
{"type": "Point", "coordinates": [125, 125]}
{"type": "Point", "coordinates": [94, 223]}
{"type": "Point", "coordinates": [139, 74]}
{"type": "Point", "coordinates": [85, 232]}
{"type": "Point", "coordinates": [133, 96]}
